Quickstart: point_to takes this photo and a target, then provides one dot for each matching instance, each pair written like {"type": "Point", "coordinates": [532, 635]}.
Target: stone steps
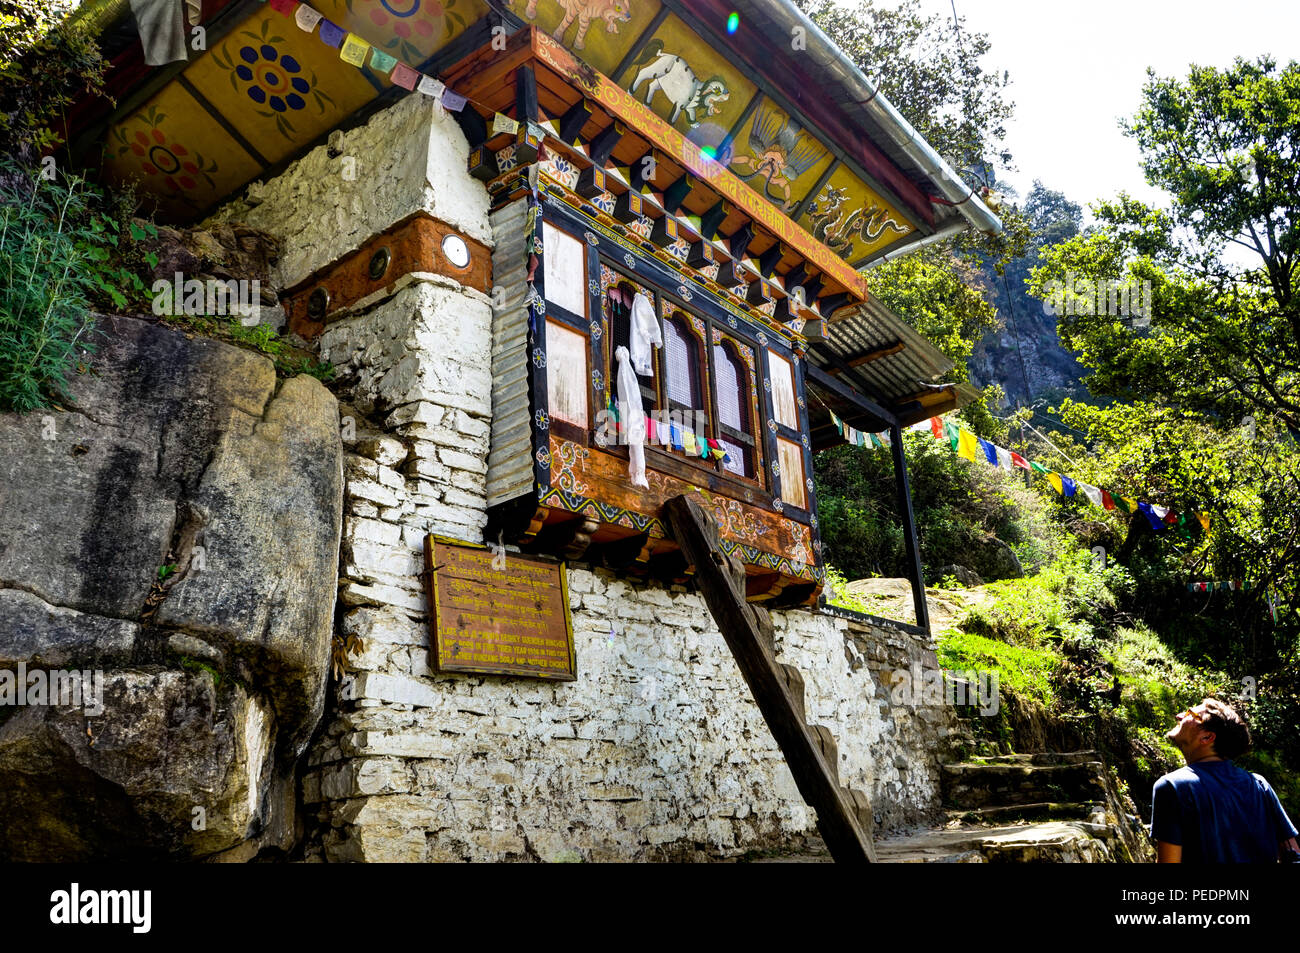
{"type": "Point", "coordinates": [1040, 811]}
{"type": "Point", "coordinates": [1048, 807]}
{"type": "Point", "coordinates": [974, 785]}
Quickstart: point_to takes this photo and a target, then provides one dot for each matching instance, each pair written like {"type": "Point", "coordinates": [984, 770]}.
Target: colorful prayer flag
{"type": "Point", "coordinates": [503, 123]}
{"type": "Point", "coordinates": [1068, 485]}
{"type": "Point", "coordinates": [380, 61]}
{"type": "Point", "coordinates": [1106, 500]}
{"type": "Point", "coordinates": [283, 6]}
{"type": "Point", "coordinates": [966, 444]}
{"type": "Point", "coordinates": [306, 18]}
{"type": "Point", "coordinates": [1055, 480]}
{"type": "Point", "coordinates": [1018, 461]}
{"type": "Point", "coordinates": [431, 87]}
{"type": "Point", "coordinates": [1156, 522]}
{"type": "Point", "coordinates": [990, 452]}
{"type": "Point", "coordinates": [936, 427]}
{"type": "Point", "coordinates": [354, 50]}
{"type": "Point", "coordinates": [453, 101]}
{"type": "Point", "coordinates": [404, 76]}
{"type": "Point", "coordinates": [1092, 493]}
{"type": "Point", "coordinates": [331, 34]}
{"type": "Point", "coordinates": [1004, 458]}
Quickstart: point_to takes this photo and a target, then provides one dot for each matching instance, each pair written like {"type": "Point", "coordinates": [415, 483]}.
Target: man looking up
{"type": "Point", "coordinates": [1211, 811]}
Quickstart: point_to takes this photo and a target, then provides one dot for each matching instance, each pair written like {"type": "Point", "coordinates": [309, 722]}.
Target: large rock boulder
{"type": "Point", "coordinates": [174, 539]}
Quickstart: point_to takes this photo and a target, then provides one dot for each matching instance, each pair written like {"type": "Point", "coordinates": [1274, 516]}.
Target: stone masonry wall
{"type": "Point", "coordinates": [656, 751]}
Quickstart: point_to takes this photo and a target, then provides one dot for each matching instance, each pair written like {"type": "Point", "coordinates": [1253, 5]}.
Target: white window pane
{"type": "Point", "coordinates": [733, 395]}
{"type": "Point", "coordinates": [790, 455]}
{"type": "Point", "coordinates": [783, 402]}
{"type": "Point", "coordinates": [565, 270]}
{"type": "Point", "coordinates": [680, 356]}
{"type": "Point", "coordinates": [566, 373]}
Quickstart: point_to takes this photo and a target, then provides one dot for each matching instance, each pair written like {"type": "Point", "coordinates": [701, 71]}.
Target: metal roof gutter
{"type": "Point", "coordinates": [832, 59]}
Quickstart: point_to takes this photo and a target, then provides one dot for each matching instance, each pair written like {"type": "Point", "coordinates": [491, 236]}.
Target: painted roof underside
{"type": "Point", "coordinates": [265, 91]}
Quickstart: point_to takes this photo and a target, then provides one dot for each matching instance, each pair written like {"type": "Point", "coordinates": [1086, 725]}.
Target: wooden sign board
{"type": "Point", "coordinates": [493, 614]}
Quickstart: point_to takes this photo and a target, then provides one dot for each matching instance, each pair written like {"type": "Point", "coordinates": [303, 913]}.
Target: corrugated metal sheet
{"type": "Point", "coordinates": [510, 457]}
{"type": "Point", "coordinates": [872, 327]}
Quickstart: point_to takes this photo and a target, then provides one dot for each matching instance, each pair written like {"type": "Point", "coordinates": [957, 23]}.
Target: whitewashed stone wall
{"type": "Point", "coordinates": [405, 159]}
{"type": "Point", "coordinates": [656, 751]}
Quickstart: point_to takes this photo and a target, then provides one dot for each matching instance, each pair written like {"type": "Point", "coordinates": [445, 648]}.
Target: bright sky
{"type": "Point", "coordinates": [1078, 67]}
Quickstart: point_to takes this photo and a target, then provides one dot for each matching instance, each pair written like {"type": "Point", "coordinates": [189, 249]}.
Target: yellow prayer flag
{"type": "Point", "coordinates": [1205, 520]}
{"type": "Point", "coordinates": [967, 444]}
{"type": "Point", "coordinates": [689, 440]}
{"type": "Point", "coordinates": [1055, 480]}
{"type": "Point", "coordinates": [354, 50]}
{"type": "Point", "coordinates": [503, 123]}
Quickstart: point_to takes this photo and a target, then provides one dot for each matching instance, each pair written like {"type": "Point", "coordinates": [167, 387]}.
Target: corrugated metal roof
{"type": "Point", "coordinates": [892, 380]}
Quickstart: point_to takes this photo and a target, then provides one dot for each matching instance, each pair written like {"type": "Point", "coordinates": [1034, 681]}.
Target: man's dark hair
{"type": "Point", "coordinates": [1231, 736]}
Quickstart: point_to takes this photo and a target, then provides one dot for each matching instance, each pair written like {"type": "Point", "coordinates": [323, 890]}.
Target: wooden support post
{"type": "Point", "coordinates": [809, 751]}
{"type": "Point", "coordinates": [526, 94]}
{"type": "Point", "coordinates": [909, 527]}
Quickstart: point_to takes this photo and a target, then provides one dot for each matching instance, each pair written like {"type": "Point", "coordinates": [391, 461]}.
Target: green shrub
{"type": "Point", "coordinates": [45, 290]}
{"type": "Point", "coordinates": [65, 248]}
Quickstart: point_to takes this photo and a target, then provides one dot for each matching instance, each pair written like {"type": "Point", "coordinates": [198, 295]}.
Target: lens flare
{"type": "Point", "coordinates": [733, 22]}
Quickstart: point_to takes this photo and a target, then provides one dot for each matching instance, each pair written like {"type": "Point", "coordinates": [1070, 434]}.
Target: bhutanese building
{"type": "Point", "coordinates": [481, 204]}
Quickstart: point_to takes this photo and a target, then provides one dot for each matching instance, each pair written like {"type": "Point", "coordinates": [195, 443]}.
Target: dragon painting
{"type": "Point", "coordinates": [833, 229]}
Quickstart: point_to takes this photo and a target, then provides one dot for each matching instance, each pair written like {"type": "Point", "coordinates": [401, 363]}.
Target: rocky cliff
{"type": "Point", "coordinates": [172, 538]}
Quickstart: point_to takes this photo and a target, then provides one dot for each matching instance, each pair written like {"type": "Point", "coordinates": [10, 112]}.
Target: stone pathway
{"type": "Point", "coordinates": [1054, 807]}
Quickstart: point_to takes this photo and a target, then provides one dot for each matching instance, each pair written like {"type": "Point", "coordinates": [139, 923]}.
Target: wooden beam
{"type": "Point", "coordinates": [602, 146]}
{"type": "Point", "coordinates": [712, 219]}
{"type": "Point", "coordinates": [572, 122]}
{"type": "Point", "coordinates": [676, 193]}
{"type": "Point", "coordinates": [873, 356]}
{"type": "Point", "coordinates": [845, 393]}
{"type": "Point", "coordinates": [909, 527]}
{"type": "Point", "coordinates": [810, 751]}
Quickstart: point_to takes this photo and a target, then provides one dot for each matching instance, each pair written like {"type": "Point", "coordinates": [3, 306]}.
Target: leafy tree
{"type": "Point", "coordinates": [1217, 354]}
{"type": "Point", "coordinates": [930, 70]}
{"type": "Point", "coordinates": [45, 62]}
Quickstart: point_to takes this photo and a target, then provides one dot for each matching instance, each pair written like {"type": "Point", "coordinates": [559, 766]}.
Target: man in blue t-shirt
{"type": "Point", "coordinates": [1211, 811]}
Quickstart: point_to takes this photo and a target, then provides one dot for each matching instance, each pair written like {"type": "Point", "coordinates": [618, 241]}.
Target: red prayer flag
{"type": "Point", "coordinates": [286, 7]}
{"type": "Point", "coordinates": [936, 427]}
{"type": "Point", "coordinates": [1019, 461]}
{"type": "Point", "coordinates": [403, 76]}
{"type": "Point", "coordinates": [1106, 501]}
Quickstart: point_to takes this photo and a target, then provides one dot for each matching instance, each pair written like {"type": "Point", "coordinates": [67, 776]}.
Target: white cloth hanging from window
{"type": "Point", "coordinates": [644, 332]}
{"type": "Point", "coordinates": [162, 30]}
{"type": "Point", "coordinates": [631, 418]}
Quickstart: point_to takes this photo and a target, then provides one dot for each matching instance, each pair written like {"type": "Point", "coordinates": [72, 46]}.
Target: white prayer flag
{"type": "Point", "coordinates": [307, 18]}
{"type": "Point", "coordinates": [1092, 493]}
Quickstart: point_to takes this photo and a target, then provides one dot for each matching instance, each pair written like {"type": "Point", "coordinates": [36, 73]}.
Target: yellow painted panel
{"type": "Point", "coordinates": [851, 219]}
{"type": "Point", "coordinates": [599, 31]}
{"type": "Point", "coordinates": [173, 150]}
{"type": "Point", "coordinates": [688, 83]}
{"type": "Point", "coordinates": [777, 158]}
{"type": "Point", "coordinates": [279, 86]}
{"type": "Point", "coordinates": [410, 30]}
